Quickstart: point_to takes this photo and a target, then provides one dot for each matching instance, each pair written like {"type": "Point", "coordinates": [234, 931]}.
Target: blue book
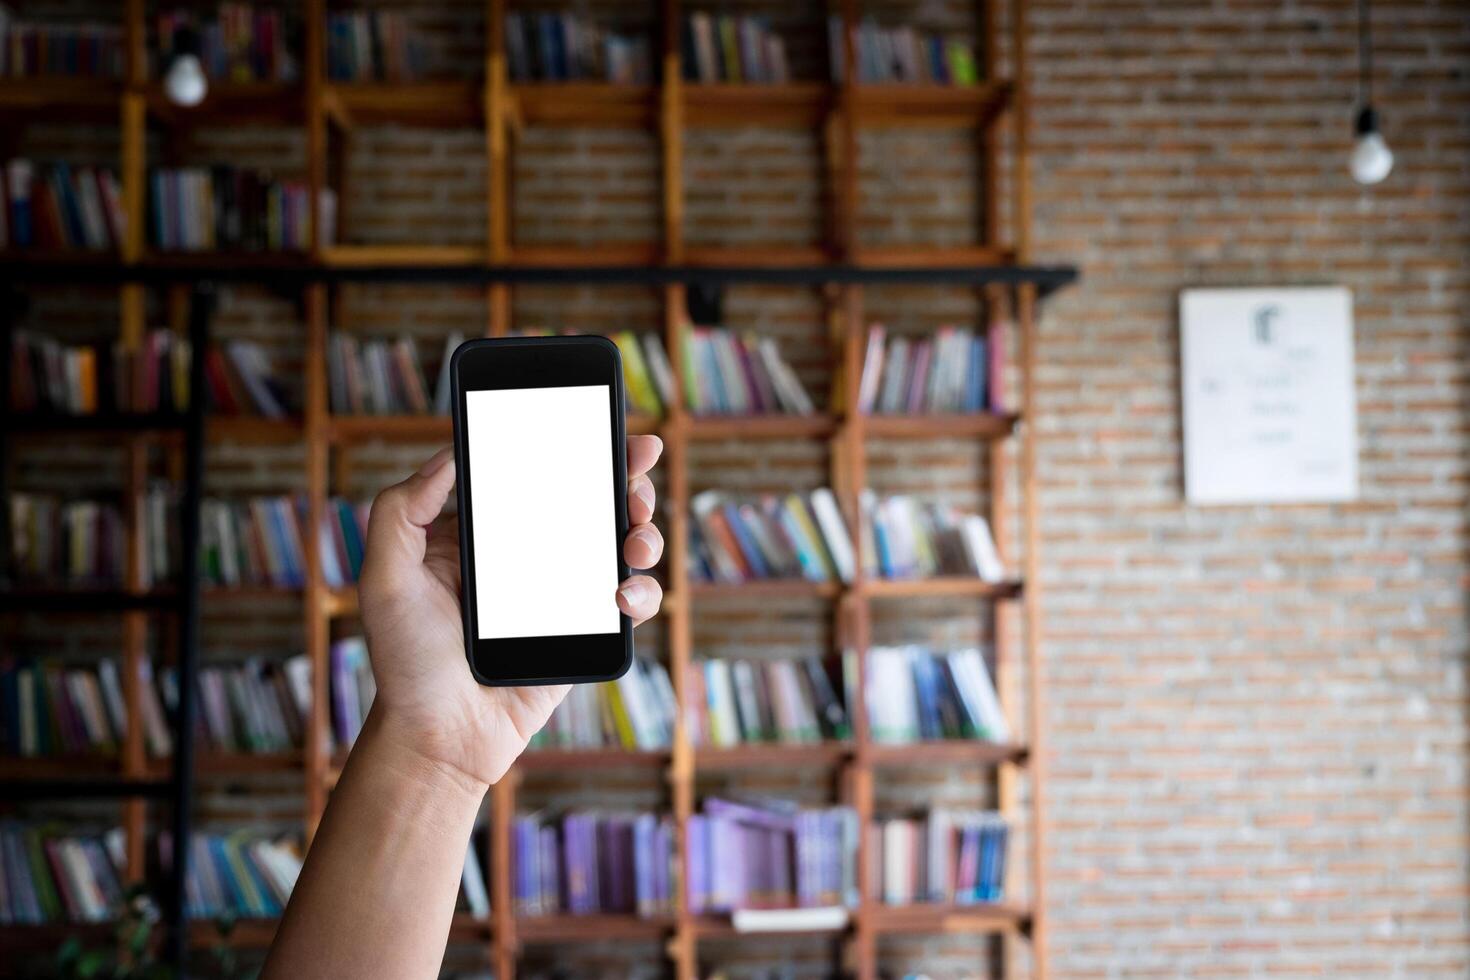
{"type": "Point", "coordinates": [926, 689]}
{"type": "Point", "coordinates": [713, 376]}
{"type": "Point", "coordinates": [233, 897]}
{"type": "Point", "coordinates": [748, 546]}
{"type": "Point", "coordinates": [880, 542]}
{"type": "Point", "coordinates": [975, 376]}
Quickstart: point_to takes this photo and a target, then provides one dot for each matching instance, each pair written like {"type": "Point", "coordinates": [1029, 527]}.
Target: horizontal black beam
{"type": "Point", "coordinates": [99, 422]}
{"type": "Point", "coordinates": [69, 789]}
{"type": "Point", "coordinates": [23, 273]}
{"type": "Point", "coordinates": [86, 601]}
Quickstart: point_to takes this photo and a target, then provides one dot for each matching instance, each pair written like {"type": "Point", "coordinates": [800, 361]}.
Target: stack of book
{"type": "Point", "coordinates": [733, 49]}
{"type": "Point", "coordinates": [241, 380]}
{"type": "Point", "coordinates": [79, 50]}
{"type": "Point", "coordinates": [950, 857]}
{"type": "Point", "coordinates": [49, 376]}
{"type": "Point", "coordinates": [51, 877]}
{"type": "Point", "coordinates": [647, 374]}
{"type": "Point", "coordinates": [905, 539]}
{"type": "Point", "coordinates": [343, 541]}
{"type": "Point", "coordinates": [740, 702]}
{"type": "Point", "coordinates": [55, 710]}
{"type": "Point", "coordinates": [56, 542]}
{"type": "Point", "coordinates": [256, 542]}
{"type": "Point", "coordinates": [902, 54]}
{"type": "Point", "coordinates": [566, 48]}
{"type": "Point", "coordinates": [725, 374]}
{"type": "Point", "coordinates": [384, 377]}
{"type": "Point", "coordinates": [917, 694]}
{"type": "Point", "coordinates": [60, 206]}
{"type": "Point", "coordinates": [952, 371]}
{"type": "Point", "coordinates": [350, 677]}
{"type": "Point", "coordinates": [636, 712]}
{"type": "Point", "coordinates": [593, 862]}
{"type": "Point", "coordinates": [241, 44]}
{"type": "Point", "coordinates": [254, 707]}
{"type": "Point", "coordinates": [771, 855]}
{"type": "Point", "coordinates": [799, 536]}
{"type": "Point", "coordinates": [240, 875]}
{"type": "Point", "coordinates": [196, 209]}
{"type": "Point", "coordinates": [373, 46]}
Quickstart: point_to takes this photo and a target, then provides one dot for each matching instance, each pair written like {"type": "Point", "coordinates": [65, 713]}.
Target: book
{"type": "Point", "coordinates": [735, 49]}
{"type": "Point", "coordinates": [903, 538]}
{"type": "Point", "coordinates": [749, 702]}
{"type": "Point", "coordinates": [727, 374]}
{"type": "Point", "coordinates": [950, 371]}
{"type": "Point", "coordinates": [196, 209]}
{"type": "Point", "coordinates": [49, 876]}
{"type": "Point", "coordinates": [351, 686]}
{"type": "Point", "coordinates": [56, 542]}
{"type": "Point", "coordinates": [914, 693]}
{"type": "Point", "coordinates": [35, 47]}
{"type": "Point", "coordinates": [57, 205]}
{"type": "Point", "coordinates": [565, 47]}
{"type": "Point", "coordinates": [374, 46]}
{"type": "Point", "coordinates": [740, 539]}
{"type": "Point", "coordinates": [948, 857]}
{"type": "Point", "coordinates": [240, 874]}
{"type": "Point", "coordinates": [591, 861]}
{"type": "Point", "coordinates": [636, 712]}
{"type": "Point", "coordinates": [384, 377]}
{"type": "Point", "coordinates": [771, 854]}
{"type": "Point", "coordinates": [241, 43]}
{"type": "Point", "coordinates": [902, 54]}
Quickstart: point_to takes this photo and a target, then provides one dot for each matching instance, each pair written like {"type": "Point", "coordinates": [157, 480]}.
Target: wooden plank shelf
{"type": "Point", "coordinates": [583, 104]}
{"type": "Point", "coordinates": [59, 98]}
{"type": "Point", "coordinates": [803, 104]}
{"type": "Point", "coordinates": [715, 427]}
{"type": "Point", "coordinates": [929, 106]}
{"type": "Point", "coordinates": [923, 919]}
{"type": "Point", "coordinates": [357, 429]}
{"type": "Point", "coordinates": [949, 752]}
{"type": "Point", "coordinates": [466, 928]}
{"type": "Point", "coordinates": [956, 585]}
{"type": "Point", "coordinates": [765, 589]}
{"type": "Point", "coordinates": [720, 927]}
{"type": "Point", "coordinates": [760, 756]}
{"type": "Point", "coordinates": [231, 104]}
{"type": "Point", "coordinates": [388, 256]}
{"type": "Point", "coordinates": [590, 928]}
{"type": "Point", "coordinates": [589, 760]}
{"type": "Point", "coordinates": [984, 425]}
{"type": "Point", "coordinates": [340, 603]}
{"type": "Point", "coordinates": [450, 103]}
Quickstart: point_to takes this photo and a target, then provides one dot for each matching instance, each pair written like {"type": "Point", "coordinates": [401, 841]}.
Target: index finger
{"type": "Point", "coordinates": [643, 452]}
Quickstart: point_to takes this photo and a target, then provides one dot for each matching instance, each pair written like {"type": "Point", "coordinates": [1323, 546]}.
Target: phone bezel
{"type": "Point", "coordinates": [540, 362]}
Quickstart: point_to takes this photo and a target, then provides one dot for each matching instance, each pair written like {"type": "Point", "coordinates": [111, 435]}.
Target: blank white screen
{"type": "Point", "coordinates": [541, 496]}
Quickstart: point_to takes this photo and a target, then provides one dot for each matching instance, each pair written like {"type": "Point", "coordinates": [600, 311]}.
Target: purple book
{"type": "Point", "coordinates": [644, 830]}
{"type": "Point", "coordinates": [550, 873]}
{"type": "Point", "coordinates": [607, 872]}
{"type": "Point", "coordinates": [576, 873]}
{"type": "Point", "coordinates": [772, 819]}
{"type": "Point", "coordinates": [697, 869]}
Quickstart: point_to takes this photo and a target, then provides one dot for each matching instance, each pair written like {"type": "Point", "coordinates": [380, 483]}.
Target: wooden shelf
{"type": "Point", "coordinates": [714, 427]}
{"type": "Point", "coordinates": [946, 586]}
{"type": "Point", "coordinates": [584, 104]}
{"type": "Point", "coordinates": [354, 429]}
{"type": "Point", "coordinates": [774, 755]}
{"type": "Point", "coordinates": [910, 105]}
{"type": "Point", "coordinates": [805, 104]}
{"type": "Point", "coordinates": [986, 425]}
{"type": "Point", "coordinates": [59, 767]}
{"type": "Point", "coordinates": [78, 600]}
{"type": "Point", "coordinates": [408, 256]}
{"type": "Point", "coordinates": [922, 919]}
{"type": "Point", "coordinates": [719, 927]}
{"type": "Point", "coordinates": [62, 98]}
{"type": "Point", "coordinates": [340, 603]}
{"type": "Point", "coordinates": [466, 928]}
{"type": "Point", "coordinates": [232, 104]}
{"type": "Point", "coordinates": [589, 760]}
{"type": "Point", "coordinates": [590, 928]}
{"type": "Point", "coordinates": [430, 103]}
{"type": "Point", "coordinates": [951, 752]}
{"type": "Point", "coordinates": [766, 589]}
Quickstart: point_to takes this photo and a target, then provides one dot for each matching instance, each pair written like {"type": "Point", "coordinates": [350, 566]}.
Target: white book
{"type": "Point", "coordinates": [472, 880]}
{"type": "Point", "coordinates": [816, 919]}
{"type": "Point", "coordinates": [112, 695]}
{"type": "Point", "coordinates": [895, 863]}
{"type": "Point", "coordinates": [975, 532]}
{"type": "Point", "coordinates": [987, 701]}
{"type": "Point", "coordinates": [155, 729]}
{"type": "Point", "coordinates": [659, 368]}
{"type": "Point", "coordinates": [725, 727]}
{"type": "Point", "coordinates": [834, 532]}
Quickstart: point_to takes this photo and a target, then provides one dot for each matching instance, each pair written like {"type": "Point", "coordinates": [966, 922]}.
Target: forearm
{"type": "Point", "coordinates": [377, 894]}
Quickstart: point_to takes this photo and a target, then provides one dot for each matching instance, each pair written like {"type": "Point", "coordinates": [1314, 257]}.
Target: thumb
{"type": "Point", "coordinates": [401, 514]}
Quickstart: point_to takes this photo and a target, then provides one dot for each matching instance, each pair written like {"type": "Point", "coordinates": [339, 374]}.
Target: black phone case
{"type": "Point", "coordinates": [620, 483]}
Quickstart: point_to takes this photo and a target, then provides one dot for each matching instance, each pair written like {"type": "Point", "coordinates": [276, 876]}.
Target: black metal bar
{"type": "Point", "coordinates": [9, 300]}
{"type": "Point", "coordinates": [136, 422]}
{"type": "Point", "coordinates": [1047, 278]}
{"type": "Point", "coordinates": [98, 788]}
{"type": "Point", "coordinates": [201, 310]}
{"type": "Point", "coordinates": [82, 601]}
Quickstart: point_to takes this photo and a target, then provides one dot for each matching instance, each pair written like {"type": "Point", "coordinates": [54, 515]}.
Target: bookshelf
{"type": "Point", "coordinates": [995, 265]}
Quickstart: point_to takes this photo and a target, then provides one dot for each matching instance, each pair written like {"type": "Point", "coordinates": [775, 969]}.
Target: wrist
{"type": "Point", "coordinates": [409, 757]}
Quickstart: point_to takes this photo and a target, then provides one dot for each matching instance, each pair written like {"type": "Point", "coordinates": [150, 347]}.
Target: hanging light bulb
{"type": "Point", "coordinates": [1371, 159]}
{"type": "Point", "coordinates": [185, 83]}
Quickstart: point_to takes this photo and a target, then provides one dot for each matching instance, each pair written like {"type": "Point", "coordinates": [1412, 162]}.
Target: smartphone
{"type": "Point", "coordinates": [540, 445]}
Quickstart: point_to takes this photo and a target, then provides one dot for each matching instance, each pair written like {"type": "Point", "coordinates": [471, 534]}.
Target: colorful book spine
{"type": "Point", "coordinates": [948, 857]}
{"type": "Point", "coordinates": [736, 540]}
{"type": "Point", "coordinates": [749, 702]}
{"type": "Point", "coordinates": [374, 46]}
{"type": "Point", "coordinates": [587, 862]}
{"type": "Point", "coordinates": [35, 48]}
{"type": "Point", "coordinates": [771, 855]}
{"type": "Point", "coordinates": [352, 688]}
{"type": "Point", "coordinates": [563, 47]}
{"type": "Point", "coordinates": [636, 712]}
{"type": "Point", "coordinates": [953, 371]}
{"type": "Point", "coordinates": [242, 875]}
{"type": "Point", "coordinates": [887, 55]}
{"type": "Point", "coordinates": [384, 377]}
{"type": "Point", "coordinates": [55, 205]}
{"type": "Point", "coordinates": [727, 374]}
{"type": "Point", "coordinates": [902, 538]}
{"type": "Point", "coordinates": [196, 209]}
{"type": "Point", "coordinates": [723, 48]}
{"type": "Point", "coordinates": [240, 44]}
{"type": "Point", "coordinates": [917, 694]}
{"type": "Point", "coordinates": [48, 877]}
{"type": "Point", "coordinates": [66, 543]}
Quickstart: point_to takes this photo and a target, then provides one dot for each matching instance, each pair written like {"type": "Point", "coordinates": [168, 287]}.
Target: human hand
{"type": "Point", "coordinates": [409, 597]}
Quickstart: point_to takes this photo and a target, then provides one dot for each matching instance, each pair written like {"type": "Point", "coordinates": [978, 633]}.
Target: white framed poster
{"type": "Point", "coordinates": [1270, 410]}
